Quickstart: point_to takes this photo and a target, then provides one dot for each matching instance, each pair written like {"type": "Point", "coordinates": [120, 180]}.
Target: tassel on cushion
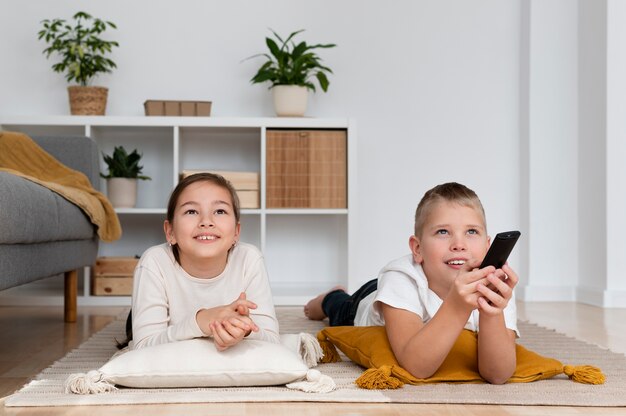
{"type": "Point", "coordinates": [330, 353]}
{"type": "Point", "coordinates": [315, 382]}
{"type": "Point", "coordinates": [310, 349]}
{"type": "Point", "coordinates": [378, 378]}
{"type": "Point", "coordinates": [586, 374]}
{"type": "Point", "coordinates": [92, 382]}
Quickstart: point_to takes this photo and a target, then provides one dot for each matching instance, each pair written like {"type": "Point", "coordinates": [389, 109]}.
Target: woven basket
{"type": "Point", "coordinates": [87, 101]}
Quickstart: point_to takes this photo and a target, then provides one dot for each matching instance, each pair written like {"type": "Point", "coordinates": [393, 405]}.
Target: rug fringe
{"type": "Point", "coordinates": [93, 382]}
{"type": "Point", "coordinates": [315, 382]}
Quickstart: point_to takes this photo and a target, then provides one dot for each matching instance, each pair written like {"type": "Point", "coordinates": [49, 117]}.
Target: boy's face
{"type": "Point", "coordinates": [452, 235]}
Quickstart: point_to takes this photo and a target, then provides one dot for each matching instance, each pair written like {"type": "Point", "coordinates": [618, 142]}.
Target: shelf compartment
{"type": "Point", "coordinates": [155, 144]}
{"type": "Point", "coordinates": [306, 168]}
{"type": "Point", "coordinates": [220, 149]}
{"type": "Point", "coordinates": [309, 249]}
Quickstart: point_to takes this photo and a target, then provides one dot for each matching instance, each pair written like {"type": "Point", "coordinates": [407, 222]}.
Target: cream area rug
{"type": "Point", "coordinates": [47, 388]}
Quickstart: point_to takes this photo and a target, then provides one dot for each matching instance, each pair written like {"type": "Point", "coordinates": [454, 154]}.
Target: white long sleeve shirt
{"type": "Point", "coordinates": [166, 298]}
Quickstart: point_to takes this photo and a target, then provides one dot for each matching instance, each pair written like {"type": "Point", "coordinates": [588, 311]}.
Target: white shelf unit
{"type": "Point", "coordinates": [307, 251]}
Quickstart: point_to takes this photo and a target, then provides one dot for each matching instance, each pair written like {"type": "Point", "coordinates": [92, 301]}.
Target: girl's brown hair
{"type": "Point", "coordinates": [200, 177]}
{"type": "Point", "coordinates": [448, 192]}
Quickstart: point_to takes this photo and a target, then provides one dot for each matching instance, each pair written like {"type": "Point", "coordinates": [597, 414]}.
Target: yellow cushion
{"type": "Point", "coordinates": [369, 347]}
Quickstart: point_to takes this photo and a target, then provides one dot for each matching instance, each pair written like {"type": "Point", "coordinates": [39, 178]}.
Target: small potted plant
{"type": "Point", "coordinates": [124, 171]}
{"type": "Point", "coordinates": [291, 69]}
{"type": "Point", "coordinates": [83, 57]}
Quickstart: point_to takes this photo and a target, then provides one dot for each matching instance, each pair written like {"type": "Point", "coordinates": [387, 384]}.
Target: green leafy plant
{"type": "Point", "coordinates": [123, 164]}
{"type": "Point", "coordinates": [292, 64]}
{"type": "Point", "coordinates": [81, 49]}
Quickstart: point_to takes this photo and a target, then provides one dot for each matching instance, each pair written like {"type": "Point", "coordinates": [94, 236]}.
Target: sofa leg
{"type": "Point", "coordinates": [71, 295]}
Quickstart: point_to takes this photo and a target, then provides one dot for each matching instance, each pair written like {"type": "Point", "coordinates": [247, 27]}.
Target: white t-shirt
{"type": "Point", "coordinates": [403, 285]}
{"type": "Point", "coordinates": [166, 298]}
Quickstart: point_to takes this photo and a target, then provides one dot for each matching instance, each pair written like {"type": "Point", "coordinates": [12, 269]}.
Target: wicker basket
{"type": "Point", "coordinates": [87, 101]}
{"type": "Point", "coordinates": [306, 168]}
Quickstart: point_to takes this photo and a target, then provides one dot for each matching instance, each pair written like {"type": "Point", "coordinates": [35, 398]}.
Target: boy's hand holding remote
{"type": "Point", "coordinates": [465, 288]}
{"type": "Point", "coordinates": [499, 290]}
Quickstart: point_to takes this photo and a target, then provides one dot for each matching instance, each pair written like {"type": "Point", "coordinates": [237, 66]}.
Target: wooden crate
{"type": "Point", "coordinates": [113, 276]}
{"type": "Point", "coordinates": [177, 108]}
{"type": "Point", "coordinates": [306, 169]}
{"type": "Point", "coordinates": [249, 199]}
{"type": "Point", "coordinates": [112, 285]}
{"type": "Point", "coordinates": [245, 183]}
{"type": "Point", "coordinates": [114, 266]}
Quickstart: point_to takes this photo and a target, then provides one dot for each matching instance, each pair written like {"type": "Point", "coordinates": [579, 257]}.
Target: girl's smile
{"type": "Point", "coordinates": [207, 237]}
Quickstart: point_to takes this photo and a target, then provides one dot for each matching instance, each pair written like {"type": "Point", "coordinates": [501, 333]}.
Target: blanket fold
{"type": "Point", "coordinates": [21, 156]}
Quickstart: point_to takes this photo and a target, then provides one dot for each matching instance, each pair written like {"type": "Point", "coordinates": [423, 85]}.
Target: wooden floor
{"type": "Point", "coordinates": [34, 337]}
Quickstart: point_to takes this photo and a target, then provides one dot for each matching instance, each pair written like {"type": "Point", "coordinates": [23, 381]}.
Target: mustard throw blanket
{"type": "Point", "coordinates": [21, 156]}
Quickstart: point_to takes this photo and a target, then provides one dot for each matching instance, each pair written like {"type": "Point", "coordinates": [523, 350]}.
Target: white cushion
{"type": "Point", "coordinates": [197, 363]}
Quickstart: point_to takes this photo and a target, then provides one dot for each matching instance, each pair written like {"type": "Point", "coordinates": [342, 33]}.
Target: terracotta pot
{"type": "Point", "coordinates": [122, 192]}
{"type": "Point", "coordinates": [87, 101]}
{"type": "Point", "coordinates": [290, 100]}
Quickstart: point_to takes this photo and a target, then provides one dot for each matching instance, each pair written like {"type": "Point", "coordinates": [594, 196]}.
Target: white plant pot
{"type": "Point", "coordinates": [290, 100]}
{"type": "Point", "coordinates": [122, 192]}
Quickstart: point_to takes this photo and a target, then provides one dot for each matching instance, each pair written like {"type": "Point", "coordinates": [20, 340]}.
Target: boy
{"type": "Point", "coordinates": [427, 298]}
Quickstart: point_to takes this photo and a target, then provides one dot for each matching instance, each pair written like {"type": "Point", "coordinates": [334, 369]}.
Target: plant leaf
{"type": "Point", "coordinates": [123, 165]}
{"type": "Point", "coordinates": [291, 63]}
{"type": "Point", "coordinates": [81, 50]}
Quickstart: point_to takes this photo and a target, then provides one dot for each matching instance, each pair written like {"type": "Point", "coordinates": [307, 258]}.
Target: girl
{"type": "Point", "coordinates": [202, 282]}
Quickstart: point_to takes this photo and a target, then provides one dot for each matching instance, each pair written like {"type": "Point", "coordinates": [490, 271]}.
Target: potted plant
{"type": "Point", "coordinates": [83, 57]}
{"type": "Point", "coordinates": [291, 69]}
{"type": "Point", "coordinates": [124, 171]}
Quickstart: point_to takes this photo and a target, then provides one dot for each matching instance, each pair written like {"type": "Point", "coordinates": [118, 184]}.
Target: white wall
{"type": "Point", "coordinates": [549, 143]}
{"type": "Point", "coordinates": [592, 145]}
{"type": "Point", "coordinates": [433, 86]}
{"type": "Point", "coordinates": [615, 294]}
{"type": "Point", "coordinates": [573, 147]}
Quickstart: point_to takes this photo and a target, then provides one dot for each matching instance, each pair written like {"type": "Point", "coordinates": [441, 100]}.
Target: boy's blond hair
{"type": "Point", "coordinates": [448, 192]}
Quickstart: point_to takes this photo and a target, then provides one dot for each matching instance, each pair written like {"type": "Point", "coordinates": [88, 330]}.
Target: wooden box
{"type": "Point", "coordinates": [112, 285]}
{"type": "Point", "coordinates": [177, 108]}
{"type": "Point", "coordinates": [306, 169]}
{"type": "Point", "coordinates": [248, 199]}
{"type": "Point", "coordinates": [113, 276]}
{"type": "Point", "coordinates": [245, 183]}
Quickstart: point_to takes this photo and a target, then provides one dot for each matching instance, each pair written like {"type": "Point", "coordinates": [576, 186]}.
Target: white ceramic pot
{"type": "Point", "coordinates": [290, 100]}
{"type": "Point", "coordinates": [122, 192]}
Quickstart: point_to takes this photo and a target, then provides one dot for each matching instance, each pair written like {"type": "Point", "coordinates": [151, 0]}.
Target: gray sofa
{"type": "Point", "coordinates": [41, 233]}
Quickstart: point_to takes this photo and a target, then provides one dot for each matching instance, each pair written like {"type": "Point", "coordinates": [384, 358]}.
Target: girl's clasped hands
{"type": "Point", "coordinates": [228, 324]}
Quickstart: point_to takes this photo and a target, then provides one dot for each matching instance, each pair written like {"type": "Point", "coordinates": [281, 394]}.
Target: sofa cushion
{"type": "Point", "coordinates": [32, 213]}
{"type": "Point", "coordinates": [24, 263]}
{"type": "Point", "coordinates": [76, 152]}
